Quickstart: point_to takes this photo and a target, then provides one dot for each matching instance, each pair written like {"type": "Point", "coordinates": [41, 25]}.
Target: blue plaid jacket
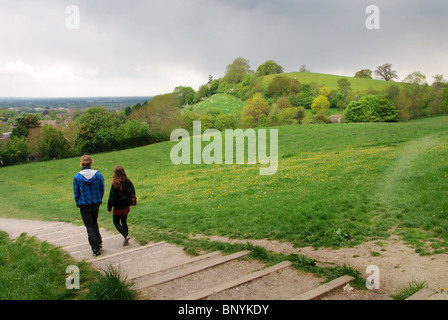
{"type": "Point", "coordinates": [88, 187]}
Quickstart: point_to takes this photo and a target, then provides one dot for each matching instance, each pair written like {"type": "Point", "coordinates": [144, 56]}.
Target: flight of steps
{"type": "Point", "coordinates": [162, 271]}
{"type": "Point", "coordinates": [165, 271]}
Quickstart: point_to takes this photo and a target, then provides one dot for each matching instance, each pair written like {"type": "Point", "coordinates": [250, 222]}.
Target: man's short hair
{"type": "Point", "coordinates": [86, 161]}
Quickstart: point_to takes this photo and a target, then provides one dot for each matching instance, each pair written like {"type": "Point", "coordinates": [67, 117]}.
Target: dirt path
{"type": "Point", "coordinates": [398, 264]}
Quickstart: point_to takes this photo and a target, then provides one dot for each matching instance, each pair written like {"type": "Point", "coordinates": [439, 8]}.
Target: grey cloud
{"type": "Point", "coordinates": [162, 43]}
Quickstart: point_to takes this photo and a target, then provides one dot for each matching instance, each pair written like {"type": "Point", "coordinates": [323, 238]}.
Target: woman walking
{"type": "Point", "coordinates": [120, 199]}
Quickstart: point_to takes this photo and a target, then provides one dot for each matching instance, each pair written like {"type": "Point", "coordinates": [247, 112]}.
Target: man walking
{"type": "Point", "coordinates": [88, 187]}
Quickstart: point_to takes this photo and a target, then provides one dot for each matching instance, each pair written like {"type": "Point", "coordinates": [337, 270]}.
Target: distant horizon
{"type": "Point", "coordinates": [80, 97]}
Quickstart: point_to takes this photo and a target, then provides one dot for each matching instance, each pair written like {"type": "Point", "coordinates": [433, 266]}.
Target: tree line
{"type": "Point", "coordinates": [282, 101]}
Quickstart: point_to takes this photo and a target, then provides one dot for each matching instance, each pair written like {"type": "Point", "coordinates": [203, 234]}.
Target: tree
{"type": "Point", "coordinates": [345, 89]}
{"type": "Point", "coordinates": [134, 133]}
{"type": "Point", "coordinates": [300, 114]}
{"type": "Point", "coordinates": [371, 108]}
{"type": "Point", "coordinates": [303, 68]}
{"type": "Point", "coordinates": [364, 74]}
{"type": "Point", "coordinates": [90, 123]}
{"type": "Point", "coordinates": [444, 104]}
{"type": "Point", "coordinates": [128, 111]}
{"type": "Point", "coordinates": [23, 124]}
{"type": "Point", "coordinates": [14, 151]}
{"type": "Point", "coordinates": [186, 95]}
{"type": "Point", "coordinates": [304, 98]}
{"type": "Point", "coordinates": [324, 91]}
{"type": "Point", "coordinates": [52, 144]}
{"type": "Point", "coordinates": [273, 118]}
{"type": "Point", "coordinates": [439, 81]}
{"type": "Point", "coordinates": [162, 113]}
{"type": "Point", "coordinates": [269, 67]}
{"type": "Point", "coordinates": [214, 86]}
{"type": "Point", "coordinates": [203, 92]}
{"type": "Point", "coordinates": [255, 107]}
{"type": "Point", "coordinates": [288, 116]}
{"type": "Point", "coordinates": [415, 91]}
{"type": "Point", "coordinates": [235, 71]}
{"type": "Point", "coordinates": [386, 73]}
{"type": "Point", "coordinates": [415, 78]}
{"type": "Point", "coordinates": [392, 92]}
{"type": "Point", "coordinates": [320, 103]}
{"type": "Point", "coordinates": [225, 121]}
{"type": "Point", "coordinates": [282, 85]}
{"type": "Point", "coordinates": [284, 103]}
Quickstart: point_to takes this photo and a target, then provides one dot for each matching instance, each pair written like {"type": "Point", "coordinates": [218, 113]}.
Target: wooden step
{"type": "Point", "coordinates": [324, 289]}
{"type": "Point", "coordinates": [177, 266]}
{"type": "Point", "coordinates": [234, 283]}
{"type": "Point", "coordinates": [86, 243]}
{"type": "Point", "coordinates": [125, 252]}
{"type": "Point", "coordinates": [182, 273]}
{"type": "Point", "coordinates": [423, 294]}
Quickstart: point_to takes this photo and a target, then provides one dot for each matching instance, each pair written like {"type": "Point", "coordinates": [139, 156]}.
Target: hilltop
{"type": "Point", "coordinates": [229, 103]}
{"type": "Point", "coordinates": [330, 81]}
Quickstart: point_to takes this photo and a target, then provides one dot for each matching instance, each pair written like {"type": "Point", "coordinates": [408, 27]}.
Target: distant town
{"type": "Point", "coordinates": [57, 112]}
{"type": "Point", "coordinates": [64, 104]}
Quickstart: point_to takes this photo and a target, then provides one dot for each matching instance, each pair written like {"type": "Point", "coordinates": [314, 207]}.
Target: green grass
{"type": "Point", "coordinates": [227, 103]}
{"type": "Point", "coordinates": [407, 291]}
{"type": "Point", "coordinates": [330, 81]}
{"type": "Point", "coordinates": [34, 270]}
{"type": "Point", "coordinates": [111, 285]}
{"type": "Point", "coordinates": [337, 185]}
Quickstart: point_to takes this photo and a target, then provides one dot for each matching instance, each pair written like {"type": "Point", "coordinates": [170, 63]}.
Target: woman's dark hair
{"type": "Point", "coordinates": [119, 177]}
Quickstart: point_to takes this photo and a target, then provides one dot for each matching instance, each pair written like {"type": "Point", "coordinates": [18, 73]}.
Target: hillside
{"type": "Point", "coordinates": [330, 81]}
{"type": "Point", "coordinates": [336, 185]}
{"type": "Point", "coordinates": [226, 103]}
{"type": "Point", "coordinates": [229, 104]}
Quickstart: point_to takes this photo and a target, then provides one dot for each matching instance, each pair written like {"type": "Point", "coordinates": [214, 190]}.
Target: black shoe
{"type": "Point", "coordinates": [126, 241]}
{"type": "Point", "coordinates": [96, 254]}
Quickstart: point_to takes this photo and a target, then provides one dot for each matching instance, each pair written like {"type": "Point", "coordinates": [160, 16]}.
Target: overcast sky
{"type": "Point", "coordinates": [148, 47]}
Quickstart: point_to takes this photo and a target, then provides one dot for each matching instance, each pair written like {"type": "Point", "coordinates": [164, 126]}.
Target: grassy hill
{"type": "Point", "coordinates": [229, 104]}
{"type": "Point", "coordinates": [336, 185]}
{"type": "Point", "coordinates": [330, 81]}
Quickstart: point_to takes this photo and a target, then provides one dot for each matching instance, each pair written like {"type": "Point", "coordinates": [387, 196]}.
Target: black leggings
{"type": "Point", "coordinates": [123, 227]}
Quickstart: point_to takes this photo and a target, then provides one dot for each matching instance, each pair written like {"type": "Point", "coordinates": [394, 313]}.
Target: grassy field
{"type": "Point", "coordinates": [331, 81]}
{"type": "Point", "coordinates": [336, 185]}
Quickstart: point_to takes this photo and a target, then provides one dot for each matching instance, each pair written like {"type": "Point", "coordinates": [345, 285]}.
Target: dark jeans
{"type": "Point", "coordinates": [123, 228]}
{"type": "Point", "coordinates": [89, 217]}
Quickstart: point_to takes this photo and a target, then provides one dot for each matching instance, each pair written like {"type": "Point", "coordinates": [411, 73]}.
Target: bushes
{"type": "Point", "coordinates": [52, 144]}
{"type": "Point", "coordinates": [371, 109]}
{"type": "Point", "coordinates": [129, 135]}
{"type": "Point", "coordinates": [101, 130]}
{"type": "Point", "coordinates": [14, 151]}
{"type": "Point", "coordinates": [282, 85]}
